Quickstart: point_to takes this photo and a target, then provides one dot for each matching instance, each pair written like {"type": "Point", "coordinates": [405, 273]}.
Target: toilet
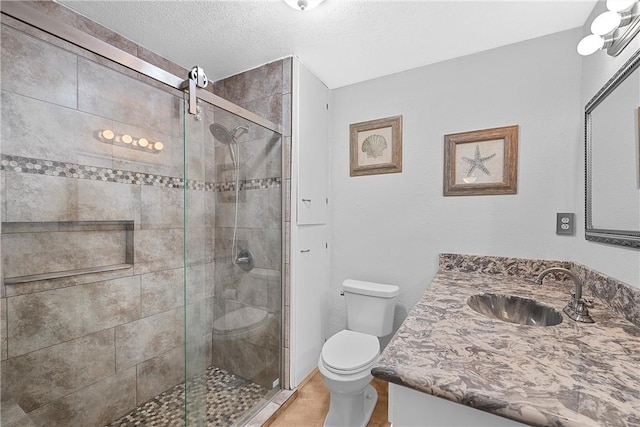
{"type": "Point", "coordinates": [348, 356]}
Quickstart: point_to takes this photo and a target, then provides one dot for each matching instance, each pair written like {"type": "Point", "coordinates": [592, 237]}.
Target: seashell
{"type": "Point", "coordinates": [374, 145]}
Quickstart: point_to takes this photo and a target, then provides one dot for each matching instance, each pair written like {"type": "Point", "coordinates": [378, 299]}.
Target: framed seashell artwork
{"type": "Point", "coordinates": [481, 162]}
{"type": "Point", "coordinates": [376, 146]}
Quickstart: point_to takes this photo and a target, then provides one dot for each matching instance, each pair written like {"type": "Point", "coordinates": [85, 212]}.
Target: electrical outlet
{"type": "Point", "coordinates": [565, 223]}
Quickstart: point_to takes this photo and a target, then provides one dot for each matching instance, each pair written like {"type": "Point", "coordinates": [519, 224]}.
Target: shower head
{"type": "Point", "coordinates": [239, 130]}
{"type": "Point", "coordinates": [222, 135]}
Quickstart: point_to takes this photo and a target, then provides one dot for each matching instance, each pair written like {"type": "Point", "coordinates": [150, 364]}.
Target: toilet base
{"type": "Point", "coordinates": [351, 411]}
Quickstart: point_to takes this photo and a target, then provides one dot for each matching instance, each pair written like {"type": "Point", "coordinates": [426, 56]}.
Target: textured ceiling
{"type": "Point", "coordinates": [341, 41]}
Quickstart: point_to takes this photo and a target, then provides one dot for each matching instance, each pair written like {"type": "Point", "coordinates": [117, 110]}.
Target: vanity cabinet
{"type": "Point", "coordinates": [409, 407]}
{"type": "Point", "coordinates": [449, 365]}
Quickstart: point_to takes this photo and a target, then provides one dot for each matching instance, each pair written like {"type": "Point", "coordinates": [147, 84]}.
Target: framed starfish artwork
{"type": "Point", "coordinates": [376, 146]}
{"type": "Point", "coordinates": [481, 162]}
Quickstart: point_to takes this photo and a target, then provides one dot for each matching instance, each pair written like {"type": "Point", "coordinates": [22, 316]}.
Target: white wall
{"type": "Point", "coordinates": [621, 263]}
{"type": "Point", "coordinates": [390, 228]}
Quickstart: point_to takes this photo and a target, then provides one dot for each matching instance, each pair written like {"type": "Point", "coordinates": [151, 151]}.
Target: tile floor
{"type": "Point", "coordinates": [225, 398]}
{"type": "Point", "coordinates": [312, 404]}
{"type": "Point", "coordinates": [229, 397]}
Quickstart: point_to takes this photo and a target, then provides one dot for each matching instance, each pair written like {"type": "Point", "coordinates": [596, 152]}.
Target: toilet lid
{"type": "Point", "coordinates": [350, 351]}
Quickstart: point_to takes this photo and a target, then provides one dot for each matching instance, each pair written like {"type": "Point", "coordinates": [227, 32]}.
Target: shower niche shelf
{"type": "Point", "coordinates": [34, 251]}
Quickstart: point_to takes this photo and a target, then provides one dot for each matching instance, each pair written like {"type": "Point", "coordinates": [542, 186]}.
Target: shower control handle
{"type": "Point", "coordinates": [306, 200]}
{"type": "Point", "coordinates": [304, 251]}
{"type": "Point", "coordinates": [245, 260]}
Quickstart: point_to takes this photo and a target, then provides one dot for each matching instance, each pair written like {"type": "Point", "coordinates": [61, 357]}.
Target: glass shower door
{"type": "Point", "coordinates": [92, 246]}
{"type": "Point", "coordinates": [198, 272]}
{"type": "Point", "coordinates": [121, 287]}
{"type": "Point", "coordinates": [233, 274]}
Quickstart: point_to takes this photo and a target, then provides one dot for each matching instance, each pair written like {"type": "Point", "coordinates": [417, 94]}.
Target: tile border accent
{"type": "Point", "coordinates": [19, 164]}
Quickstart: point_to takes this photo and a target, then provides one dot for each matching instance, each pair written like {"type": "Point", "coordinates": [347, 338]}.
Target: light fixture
{"type": "Point", "coordinates": [303, 4]}
{"type": "Point", "coordinates": [605, 23]}
{"type": "Point", "coordinates": [107, 134]}
{"type": "Point", "coordinates": [613, 29]}
{"type": "Point", "coordinates": [125, 140]}
{"type": "Point", "coordinates": [620, 5]}
{"type": "Point", "coordinates": [590, 44]}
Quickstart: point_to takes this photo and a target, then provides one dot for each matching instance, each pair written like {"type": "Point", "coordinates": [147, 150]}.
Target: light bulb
{"type": "Point", "coordinates": [143, 142]}
{"type": "Point", "coordinates": [620, 5]}
{"type": "Point", "coordinates": [107, 134]}
{"type": "Point", "coordinates": [127, 139]}
{"type": "Point", "coordinates": [590, 44]}
{"type": "Point", "coordinates": [158, 146]}
{"type": "Point", "coordinates": [303, 4]}
{"type": "Point", "coordinates": [605, 23]}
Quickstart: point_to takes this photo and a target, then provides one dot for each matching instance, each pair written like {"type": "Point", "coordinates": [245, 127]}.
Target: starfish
{"type": "Point", "coordinates": [478, 162]}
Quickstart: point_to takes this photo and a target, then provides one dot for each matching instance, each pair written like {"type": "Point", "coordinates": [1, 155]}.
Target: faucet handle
{"type": "Point", "coordinates": [588, 303]}
{"type": "Point", "coordinates": [578, 310]}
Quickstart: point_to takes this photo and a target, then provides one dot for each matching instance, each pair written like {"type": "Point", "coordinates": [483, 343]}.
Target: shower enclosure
{"type": "Point", "coordinates": [123, 297]}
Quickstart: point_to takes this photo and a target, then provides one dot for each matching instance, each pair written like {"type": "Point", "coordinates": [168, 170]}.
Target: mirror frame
{"type": "Point", "coordinates": [627, 238]}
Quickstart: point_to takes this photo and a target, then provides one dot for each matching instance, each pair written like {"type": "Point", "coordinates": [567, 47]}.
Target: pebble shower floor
{"type": "Point", "coordinates": [225, 398]}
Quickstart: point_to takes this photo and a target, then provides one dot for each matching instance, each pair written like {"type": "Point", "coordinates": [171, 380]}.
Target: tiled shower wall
{"type": "Point", "coordinates": [265, 91]}
{"type": "Point", "coordinates": [129, 322]}
{"type": "Point", "coordinates": [85, 349]}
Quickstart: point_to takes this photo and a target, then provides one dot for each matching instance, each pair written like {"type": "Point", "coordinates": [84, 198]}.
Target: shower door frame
{"type": "Point", "coordinates": [37, 19]}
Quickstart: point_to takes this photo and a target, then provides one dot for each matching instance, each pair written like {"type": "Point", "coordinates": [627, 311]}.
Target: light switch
{"type": "Point", "coordinates": [565, 223]}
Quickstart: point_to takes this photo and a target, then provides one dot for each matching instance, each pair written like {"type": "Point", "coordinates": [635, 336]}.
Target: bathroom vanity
{"type": "Point", "coordinates": [446, 355]}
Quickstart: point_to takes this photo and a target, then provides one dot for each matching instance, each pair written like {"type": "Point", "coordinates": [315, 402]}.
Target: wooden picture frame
{"type": "Point", "coordinates": [481, 162]}
{"type": "Point", "coordinates": [376, 146]}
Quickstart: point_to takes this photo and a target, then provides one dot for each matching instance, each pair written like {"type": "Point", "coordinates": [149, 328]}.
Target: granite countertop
{"type": "Point", "coordinates": [571, 374]}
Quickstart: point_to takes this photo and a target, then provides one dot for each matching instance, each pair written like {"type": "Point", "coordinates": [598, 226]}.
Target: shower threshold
{"type": "Point", "coordinates": [217, 396]}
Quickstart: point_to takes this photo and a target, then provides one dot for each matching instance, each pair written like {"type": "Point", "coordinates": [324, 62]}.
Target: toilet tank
{"type": "Point", "coordinates": [370, 306]}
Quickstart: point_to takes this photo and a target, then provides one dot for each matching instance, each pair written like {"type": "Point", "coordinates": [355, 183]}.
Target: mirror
{"type": "Point", "coordinates": [612, 144]}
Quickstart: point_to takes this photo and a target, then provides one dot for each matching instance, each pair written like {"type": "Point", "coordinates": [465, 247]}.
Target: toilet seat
{"type": "Point", "coordinates": [349, 352]}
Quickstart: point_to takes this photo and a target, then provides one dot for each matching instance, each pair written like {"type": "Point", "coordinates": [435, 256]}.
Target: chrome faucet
{"type": "Point", "coordinates": [577, 309]}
